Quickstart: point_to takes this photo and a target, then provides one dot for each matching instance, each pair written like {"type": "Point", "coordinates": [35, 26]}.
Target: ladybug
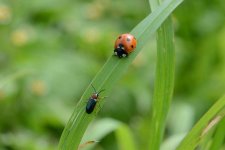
{"type": "Point", "coordinates": [92, 101]}
{"type": "Point", "coordinates": [125, 44]}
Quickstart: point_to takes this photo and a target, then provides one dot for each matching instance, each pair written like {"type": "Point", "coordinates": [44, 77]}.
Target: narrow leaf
{"type": "Point", "coordinates": [164, 82]}
{"type": "Point", "coordinates": [204, 125]}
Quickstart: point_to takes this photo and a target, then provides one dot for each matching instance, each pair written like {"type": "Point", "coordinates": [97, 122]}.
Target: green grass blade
{"type": "Point", "coordinates": [99, 130]}
{"type": "Point", "coordinates": [203, 126]}
{"type": "Point", "coordinates": [164, 82]}
{"type": "Point", "coordinates": [125, 138]}
{"type": "Point", "coordinates": [219, 136]}
{"type": "Point", "coordinates": [110, 73]}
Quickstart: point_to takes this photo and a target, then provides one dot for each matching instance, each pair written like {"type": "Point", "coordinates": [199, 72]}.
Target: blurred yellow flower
{"type": "Point", "coordinates": [38, 87]}
{"type": "Point", "coordinates": [19, 37]}
{"type": "Point", "coordinates": [5, 14]}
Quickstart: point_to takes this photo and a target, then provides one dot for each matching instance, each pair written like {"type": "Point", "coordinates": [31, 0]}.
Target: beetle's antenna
{"type": "Point", "coordinates": [93, 88]}
{"type": "Point", "coordinates": [96, 91]}
{"type": "Point", "coordinates": [101, 91]}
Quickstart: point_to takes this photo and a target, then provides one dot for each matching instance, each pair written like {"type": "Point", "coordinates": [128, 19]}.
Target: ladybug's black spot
{"type": "Point", "coordinates": [128, 39]}
{"type": "Point", "coordinates": [132, 46]}
{"type": "Point", "coordinates": [119, 37]}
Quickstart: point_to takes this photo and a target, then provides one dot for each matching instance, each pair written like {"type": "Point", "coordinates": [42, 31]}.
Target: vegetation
{"type": "Point", "coordinates": [50, 51]}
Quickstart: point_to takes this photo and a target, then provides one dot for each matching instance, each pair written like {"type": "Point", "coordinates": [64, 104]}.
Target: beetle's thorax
{"type": "Point", "coordinates": [94, 96]}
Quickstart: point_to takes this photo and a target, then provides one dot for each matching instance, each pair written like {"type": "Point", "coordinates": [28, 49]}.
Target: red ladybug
{"type": "Point", "coordinates": [125, 44]}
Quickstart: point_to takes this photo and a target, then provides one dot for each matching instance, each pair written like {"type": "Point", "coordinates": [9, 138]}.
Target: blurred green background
{"type": "Point", "coordinates": [51, 49]}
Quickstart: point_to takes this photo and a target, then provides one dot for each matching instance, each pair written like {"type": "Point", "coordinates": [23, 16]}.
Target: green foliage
{"type": "Point", "coordinates": [50, 50]}
{"type": "Point", "coordinates": [109, 74]}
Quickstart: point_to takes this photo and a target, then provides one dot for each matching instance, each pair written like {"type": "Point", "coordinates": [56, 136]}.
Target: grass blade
{"type": "Point", "coordinates": [125, 138]}
{"type": "Point", "coordinates": [164, 82]}
{"type": "Point", "coordinates": [204, 125]}
{"type": "Point", "coordinates": [99, 130]}
{"type": "Point", "coordinates": [219, 136]}
{"type": "Point", "coordinates": [110, 73]}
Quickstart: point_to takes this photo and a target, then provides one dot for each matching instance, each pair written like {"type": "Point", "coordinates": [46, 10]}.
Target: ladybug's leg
{"type": "Point", "coordinates": [115, 52]}
{"type": "Point", "coordinates": [125, 54]}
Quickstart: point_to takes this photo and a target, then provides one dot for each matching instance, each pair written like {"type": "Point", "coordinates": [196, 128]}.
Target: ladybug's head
{"type": "Point", "coordinates": [120, 46]}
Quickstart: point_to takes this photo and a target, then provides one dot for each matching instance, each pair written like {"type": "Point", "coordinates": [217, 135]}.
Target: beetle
{"type": "Point", "coordinates": [92, 101]}
{"type": "Point", "coordinates": [124, 45]}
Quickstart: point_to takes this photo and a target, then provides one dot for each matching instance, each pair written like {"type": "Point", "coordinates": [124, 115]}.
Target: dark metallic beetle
{"type": "Point", "coordinates": [92, 101]}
